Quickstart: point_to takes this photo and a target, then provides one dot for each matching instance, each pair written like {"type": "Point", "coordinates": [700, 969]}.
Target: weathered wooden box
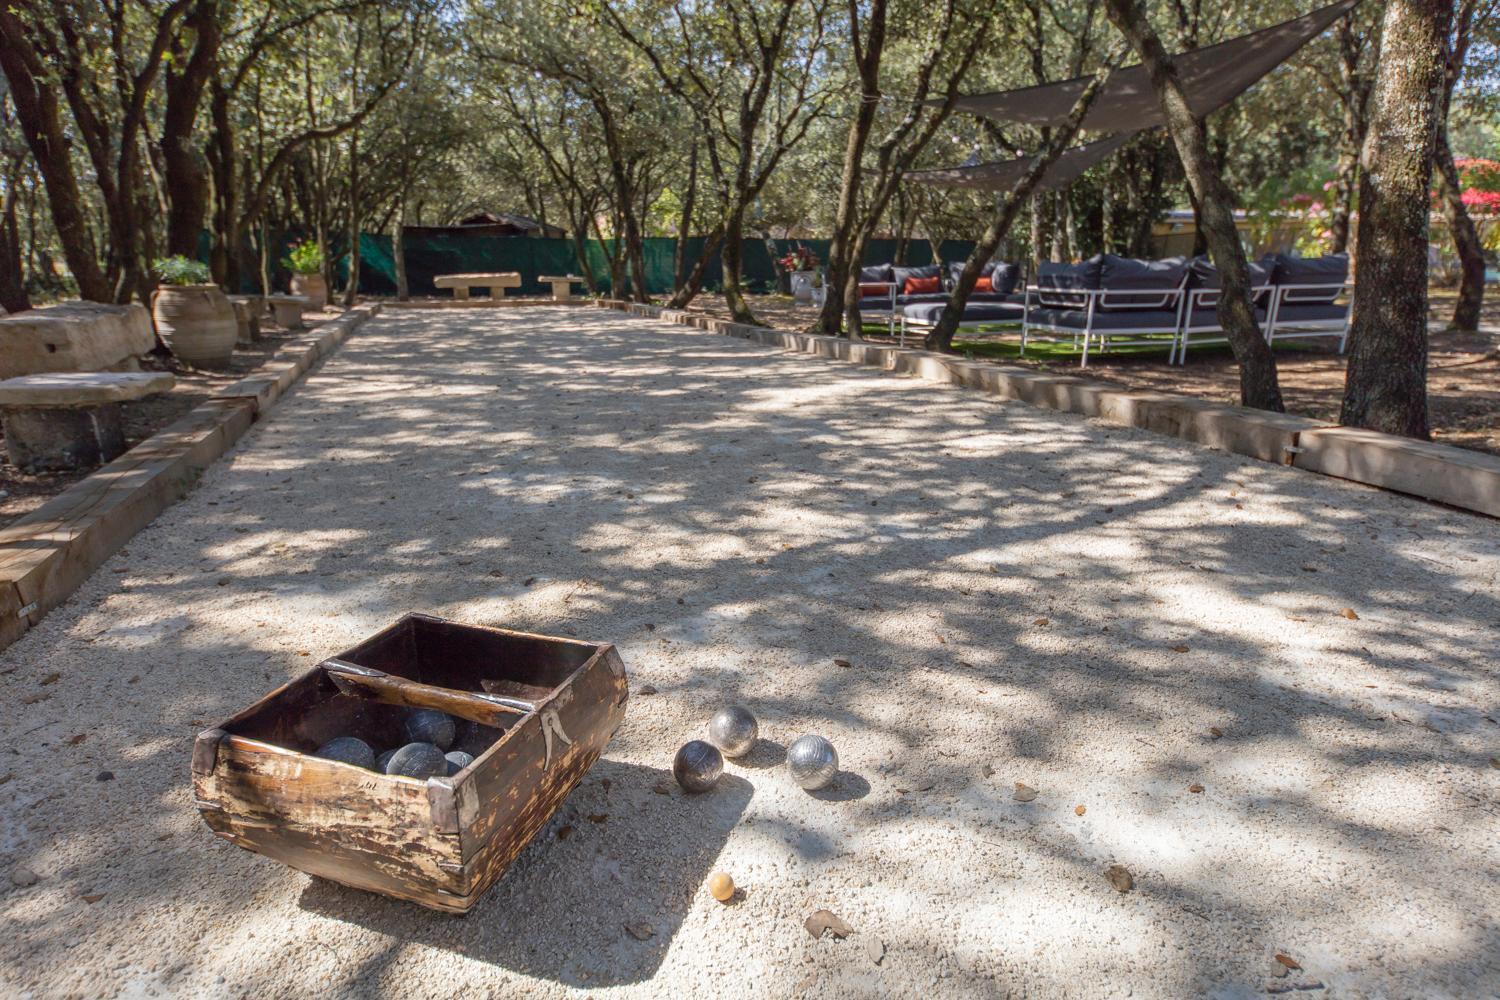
{"type": "Point", "coordinates": [537, 713]}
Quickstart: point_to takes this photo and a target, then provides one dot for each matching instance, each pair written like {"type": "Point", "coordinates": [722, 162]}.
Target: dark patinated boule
{"type": "Point", "coordinates": [813, 762]}
{"type": "Point", "coordinates": [384, 759]}
{"type": "Point", "coordinates": [457, 761]}
{"type": "Point", "coordinates": [418, 760]}
{"type": "Point", "coordinates": [428, 725]}
{"type": "Point", "coordinates": [697, 766]}
{"type": "Point", "coordinates": [733, 730]}
{"type": "Point", "coordinates": [348, 750]}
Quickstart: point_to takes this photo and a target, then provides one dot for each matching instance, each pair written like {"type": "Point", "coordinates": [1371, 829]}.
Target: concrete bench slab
{"type": "Point", "coordinates": [1441, 472]}
{"type": "Point", "coordinates": [562, 285]}
{"type": "Point", "coordinates": [74, 337]}
{"type": "Point", "coordinates": [70, 420]}
{"type": "Point", "coordinates": [496, 282]}
{"type": "Point", "coordinates": [288, 309]}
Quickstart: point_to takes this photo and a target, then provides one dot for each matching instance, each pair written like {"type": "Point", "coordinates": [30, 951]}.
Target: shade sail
{"type": "Point", "coordinates": [1004, 175]}
{"type": "Point", "coordinates": [1211, 77]}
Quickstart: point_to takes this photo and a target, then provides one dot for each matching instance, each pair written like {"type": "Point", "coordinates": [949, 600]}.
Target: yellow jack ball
{"type": "Point", "coordinates": [721, 885]}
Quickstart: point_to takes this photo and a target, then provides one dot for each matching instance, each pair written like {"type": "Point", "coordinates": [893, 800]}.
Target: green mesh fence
{"type": "Point", "coordinates": [434, 251]}
{"type": "Point", "coordinates": [430, 253]}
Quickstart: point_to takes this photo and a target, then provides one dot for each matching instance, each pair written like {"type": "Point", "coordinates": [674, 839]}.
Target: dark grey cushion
{"type": "Point", "coordinates": [1331, 270]}
{"type": "Point", "coordinates": [900, 274]}
{"type": "Point", "coordinates": [1003, 277]}
{"type": "Point", "coordinates": [1053, 279]}
{"type": "Point", "coordinates": [1135, 285]}
{"type": "Point", "coordinates": [875, 273]}
{"type": "Point", "coordinates": [1290, 313]}
{"type": "Point", "coordinates": [1146, 320]}
{"type": "Point", "coordinates": [1203, 274]}
{"type": "Point", "coordinates": [906, 300]}
{"type": "Point", "coordinates": [974, 312]}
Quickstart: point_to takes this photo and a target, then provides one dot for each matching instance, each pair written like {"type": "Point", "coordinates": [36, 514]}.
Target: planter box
{"type": "Point", "coordinates": [535, 711]}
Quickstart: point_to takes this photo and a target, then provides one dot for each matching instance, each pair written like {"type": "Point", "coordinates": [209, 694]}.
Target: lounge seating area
{"type": "Point", "coordinates": [1110, 302]}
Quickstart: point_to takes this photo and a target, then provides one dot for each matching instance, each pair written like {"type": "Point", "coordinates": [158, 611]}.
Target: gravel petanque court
{"type": "Point", "coordinates": [1151, 635]}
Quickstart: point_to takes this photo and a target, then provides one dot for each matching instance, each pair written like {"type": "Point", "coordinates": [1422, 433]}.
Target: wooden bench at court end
{"type": "Point", "coordinates": [496, 283]}
{"type": "Point", "coordinates": [562, 285]}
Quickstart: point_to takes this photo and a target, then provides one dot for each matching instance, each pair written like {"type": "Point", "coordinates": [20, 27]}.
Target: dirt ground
{"type": "Point", "coordinates": [1043, 646]}
{"type": "Point", "coordinates": [1463, 382]}
{"type": "Point", "coordinates": [21, 493]}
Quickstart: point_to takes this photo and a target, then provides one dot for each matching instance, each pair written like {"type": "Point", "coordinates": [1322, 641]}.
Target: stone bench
{"type": "Point", "coordinates": [562, 285]}
{"type": "Point", "coordinates": [496, 282]}
{"type": "Point", "coordinates": [70, 420]}
{"type": "Point", "coordinates": [288, 309]}
{"type": "Point", "coordinates": [74, 337]}
{"type": "Point", "coordinates": [248, 309]}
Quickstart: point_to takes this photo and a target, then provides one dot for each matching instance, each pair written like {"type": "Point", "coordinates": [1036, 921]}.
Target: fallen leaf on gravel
{"type": "Point", "coordinates": [842, 663]}
{"type": "Point", "coordinates": [34, 697]}
{"type": "Point", "coordinates": [1042, 621]}
{"type": "Point", "coordinates": [1079, 810]}
{"type": "Point", "coordinates": [1215, 732]}
{"type": "Point", "coordinates": [826, 921]}
{"type": "Point", "coordinates": [1179, 649]}
{"type": "Point", "coordinates": [641, 932]}
{"type": "Point", "coordinates": [662, 788]}
{"type": "Point", "coordinates": [21, 876]}
{"type": "Point", "coordinates": [1495, 762]}
{"type": "Point", "coordinates": [77, 739]}
{"type": "Point", "coordinates": [1024, 793]}
{"type": "Point", "coordinates": [1195, 788]}
{"type": "Point", "coordinates": [1349, 614]}
{"type": "Point", "coordinates": [1119, 876]}
{"type": "Point", "coordinates": [598, 817]}
{"type": "Point", "coordinates": [760, 562]}
{"type": "Point", "coordinates": [563, 832]}
{"type": "Point", "coordinates": [51, 679]}
{"type": "Point", "coordinates": [646, 689]}
{"type": "Point", "coordinates": [528, 581]}
{"type": "Point", "coordinates": [93, 897]}
{"type": "Point", "coordinates": [1278, 971]}
{"type": "Point", "coordinates": [989, 771]}
{"type": "Point", "coordinates": [1288, 961]}
{"type": "Point", "coordinates": [875, 948]}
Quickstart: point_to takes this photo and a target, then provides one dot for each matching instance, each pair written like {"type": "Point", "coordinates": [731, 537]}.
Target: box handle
{"type": "Point", "coordinates": [487, 710]}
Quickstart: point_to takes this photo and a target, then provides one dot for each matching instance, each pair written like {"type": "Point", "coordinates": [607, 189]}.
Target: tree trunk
{"type": "Point", "coordinates": [685, 226]}
{"type": "Point", "coordinates": [35, 100]}
{"type": "Point", "coordinates": [867, 55]}
{"type": "Point", "coordinates": [13, 297]}
{"type": "Point", "coordinates": [351, 290]}
{"type": "Point", "coordinates": [694, 282]}
{"type": "Point", "coordinates": [185, 173]}
{"type": "Point", "coordinates": [1465, 238]}
{"type": "Point", "coordinates": [733, 264]}
{"type": "Point", "coordinates": [398, 251]}
{"type": "Point", "coordinates": [1385, 388]}
{"type": "Point", "coordinates": [1259, 386]}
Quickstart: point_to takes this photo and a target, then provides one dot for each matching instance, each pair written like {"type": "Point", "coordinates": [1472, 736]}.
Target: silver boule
{"type": "Point", "coordinates": [457, 761]}
{"type": "Point", "coordinates": [697, 766]}
{"type": "Point", "coordinates": [733, 730]}
{"type": "Point", "coordinates": [347, 750]}
{"type": "Point", "coordinates": [813, 761]}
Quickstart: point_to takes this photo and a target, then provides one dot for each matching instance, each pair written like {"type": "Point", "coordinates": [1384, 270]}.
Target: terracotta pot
{"type": "Point", "coordinates": [313, 288]}
{"type": "Point", "coordinates": [197, 322]}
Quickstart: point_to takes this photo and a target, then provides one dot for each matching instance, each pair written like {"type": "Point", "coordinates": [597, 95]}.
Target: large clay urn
{"type": "Point", "coordinates": [197, 322]}
{"type": "Point", "coordinates": [313, 288]}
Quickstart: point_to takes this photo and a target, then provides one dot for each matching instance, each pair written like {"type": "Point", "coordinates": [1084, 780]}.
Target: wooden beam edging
{"type": "Point", "coordinates": [48, 554]}
{"type": "Point", "coordinates": [1459, 477]}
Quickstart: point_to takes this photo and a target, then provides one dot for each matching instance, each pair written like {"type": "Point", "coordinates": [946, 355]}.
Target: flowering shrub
{"type": "Point", "coordinates": [800, 259]}
{"type": "Point", "coordinates": [1480, 184]}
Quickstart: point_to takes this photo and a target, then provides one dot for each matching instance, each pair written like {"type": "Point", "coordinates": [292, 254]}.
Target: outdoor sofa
{"type": "Point", "coordinates": [1110, 301]}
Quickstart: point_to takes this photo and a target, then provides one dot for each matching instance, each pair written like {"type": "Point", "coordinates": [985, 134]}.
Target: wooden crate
{"type": "Point", "coordinates": [536, 713]}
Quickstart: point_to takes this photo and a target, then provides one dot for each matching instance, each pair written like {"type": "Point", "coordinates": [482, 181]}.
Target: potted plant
{"type": "Point", "coordinates": [801, 266]}
{"type": "Point", "coordinates": [192, 314]}
{"type": "Point", "coordinates": [305, 261]}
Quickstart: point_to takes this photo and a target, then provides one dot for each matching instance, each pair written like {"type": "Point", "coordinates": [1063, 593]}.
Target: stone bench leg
{"type": "Point", "coordinates": [562, 291]}
{"type": "Point", "coordinates": [288, 314]}
{"type": "Point", "coordinates": [461, 293]}
{"type": "Point", "coordinates": [55, 438]}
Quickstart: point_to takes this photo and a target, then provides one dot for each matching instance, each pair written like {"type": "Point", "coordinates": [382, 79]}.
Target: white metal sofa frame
{"type": "Point", "coordinates": [922, 326]}
{"type": "Point", "coordinates": [1171, 298]}
{"type": "Point", "coordinates": [1273, 327]}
